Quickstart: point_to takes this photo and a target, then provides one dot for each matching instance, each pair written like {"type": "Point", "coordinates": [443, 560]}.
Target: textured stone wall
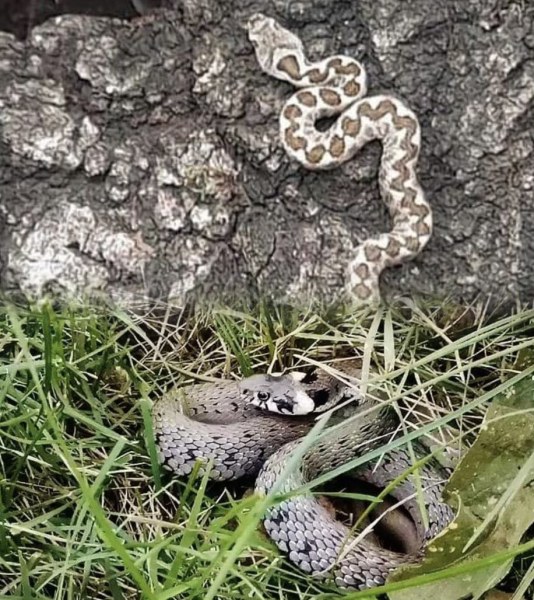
{"type": "Point", "coordinates": [142, 157]}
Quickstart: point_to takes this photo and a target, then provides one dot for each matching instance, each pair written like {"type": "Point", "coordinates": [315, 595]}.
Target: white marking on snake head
{"type": "Point", "coordinates": [304, 404]}
{"type": "Point", "coordinates": [279, 394]}
{"type": "Point", "coordinates": [297, 375]}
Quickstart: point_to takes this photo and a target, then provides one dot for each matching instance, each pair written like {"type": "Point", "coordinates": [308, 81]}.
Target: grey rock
{"type": "Point", "coordinates": [141, 158]}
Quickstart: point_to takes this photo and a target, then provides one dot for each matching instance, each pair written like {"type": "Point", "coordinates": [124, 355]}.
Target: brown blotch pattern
{"type": "Point", "coordinates": [406, 123]}
{"type": "Point", "coordinates": [350, 126]}
{"type": "Point", "coordinates": [408, 203]}
{"type": "Point", "coordinates": [362, 291]}
{"type": "Point", "coordinates": [315, 154]}
{"type": "Point", "coordinates": [351, 68]}
{"type": "Point", "coordinates": [410, 126]}
{"type": "Point", "coordinates": [409, 199]}
{"type": "Point", "coordinates": [330, 97]}
{"type": "Point", "coordinates": [393, 247]}
{"type": "Point", "coordinates": [412, 244]}
{"type": "Point", "coordinates": [351, 88]}
{"type": "Point", "coordinates": [316, 75]}
{"type": "Point", "coordinates": [307, 98]}
{"type": "Point", "coordinates": [404, 174]}
{"type": "Point", "coordinates": [294, 141]}
{"type": "Point", "coordinates": [292, 112]}
{"type": "Point", "coordinates": [417, 209]}
{"type": "Point", "coordinates": [290, 65]}
{"type": "Point", "coordinates": [337, 146]}
{"type": "Point", "coordinates": [387, 107]}
{"type": "Point", "coordinates": [362, 271]}
{"type": "Point", "coordinates": [372, 252]}
{"type": "Point", "coordinates": [422, 228]}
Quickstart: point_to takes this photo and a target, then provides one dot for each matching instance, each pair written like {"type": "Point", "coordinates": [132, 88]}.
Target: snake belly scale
{"type": "Point", "coordinates": [242, 428]}
{"type": "Point", "coordinates": [338, 86]}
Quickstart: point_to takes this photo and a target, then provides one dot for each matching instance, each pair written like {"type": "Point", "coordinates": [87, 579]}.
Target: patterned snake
{"type": "Point", "coordinates": [255, 425]}
{"type": "Point", "coordinates": [337, 86]}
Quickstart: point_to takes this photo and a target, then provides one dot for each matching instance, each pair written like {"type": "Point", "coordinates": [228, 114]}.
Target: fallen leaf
{"type": "Point", "coordinates": [492, 492]}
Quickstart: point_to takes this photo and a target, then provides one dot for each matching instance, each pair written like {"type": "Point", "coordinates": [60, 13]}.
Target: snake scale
{"type": "Point", "coordinates": [337, 86]}
{"type": "Point", "coordinates": [242, 428]}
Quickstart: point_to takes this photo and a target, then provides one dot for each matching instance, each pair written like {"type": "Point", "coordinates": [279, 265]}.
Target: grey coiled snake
{"type": "Point", "coordinates": [230, 424]}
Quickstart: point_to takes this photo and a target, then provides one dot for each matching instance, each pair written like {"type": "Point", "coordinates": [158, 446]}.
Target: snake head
{"type": "Point", "coordinates": [281, 394]}
{"type": "Point", "coordinates": [271, 42]}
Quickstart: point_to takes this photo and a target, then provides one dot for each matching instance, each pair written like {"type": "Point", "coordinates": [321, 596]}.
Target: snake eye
{"type": "Point", "coordinates": [263, 396]}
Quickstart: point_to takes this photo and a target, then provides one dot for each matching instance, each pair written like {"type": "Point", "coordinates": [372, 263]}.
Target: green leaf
{"type": "Point", "coordinates": [492, 491]}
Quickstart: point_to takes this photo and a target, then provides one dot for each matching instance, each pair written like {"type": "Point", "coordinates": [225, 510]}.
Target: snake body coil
{"type": "Point", "coordinates": [337, 86]}
{"type": "Point", "coordinates": [212, 422]}
{"type": "Point", "coordinates": [230, 426]}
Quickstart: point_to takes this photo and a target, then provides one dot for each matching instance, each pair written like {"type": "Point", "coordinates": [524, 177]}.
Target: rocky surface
{"type": "Point", "coordinates": [141, 157]}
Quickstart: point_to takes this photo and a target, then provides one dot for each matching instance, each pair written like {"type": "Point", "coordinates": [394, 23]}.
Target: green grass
{"type": "Point", "coordinates": [85, 511]}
